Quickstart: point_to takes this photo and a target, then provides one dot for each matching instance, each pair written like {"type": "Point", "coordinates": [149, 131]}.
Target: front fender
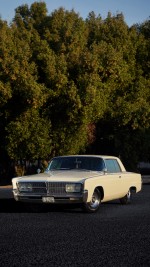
{"type": "Point", "coordinates": [90, 185]}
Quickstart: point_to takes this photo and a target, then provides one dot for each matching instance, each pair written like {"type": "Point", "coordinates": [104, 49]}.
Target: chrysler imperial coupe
{"type": "Point", "coordinates": [85, 179]}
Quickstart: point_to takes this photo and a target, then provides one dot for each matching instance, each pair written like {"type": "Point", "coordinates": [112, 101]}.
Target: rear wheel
{"type": "Point", "coordinates": [94, 204]}
{"type": "Point", "coordinates": [126, 199]}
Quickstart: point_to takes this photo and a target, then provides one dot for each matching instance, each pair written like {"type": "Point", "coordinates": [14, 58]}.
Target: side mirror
{"type": "Point", "coordinates": [38, 171]}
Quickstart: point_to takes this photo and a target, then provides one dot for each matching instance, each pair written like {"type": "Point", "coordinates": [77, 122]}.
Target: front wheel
{"type": "Point", "coordinates": [126, 199]}
{"type": "Point", "coordinates": [94, 204]}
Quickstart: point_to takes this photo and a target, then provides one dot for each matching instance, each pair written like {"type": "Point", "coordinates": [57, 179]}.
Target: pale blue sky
{"type": "Point", "coordinates": [134, 11]}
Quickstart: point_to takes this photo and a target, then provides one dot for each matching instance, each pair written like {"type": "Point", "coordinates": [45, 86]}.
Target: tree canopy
{"type": "Point", "coordinates": [69, 85]}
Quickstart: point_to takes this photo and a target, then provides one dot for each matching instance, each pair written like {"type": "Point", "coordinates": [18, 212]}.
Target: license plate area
{"type": "Point", "coordinates": [48, 199]}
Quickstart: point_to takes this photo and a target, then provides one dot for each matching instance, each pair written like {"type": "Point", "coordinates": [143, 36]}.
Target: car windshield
{"type": "Point", "coordinates": [81, 163]}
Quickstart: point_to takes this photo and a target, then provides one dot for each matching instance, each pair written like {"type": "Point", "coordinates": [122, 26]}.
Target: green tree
{"type": "Point", "coordinates": [66, 82]}
{"type": "Point", "coordinates": [28, 136]}
{"type": "Point", "coordinates": [74, 90]}
{"type": "Point", "coordinates": [6, 58]}
{"type": "Point", "coordinates": [127, 85]}
{"type": "Point", "coordinates": [27, 97]}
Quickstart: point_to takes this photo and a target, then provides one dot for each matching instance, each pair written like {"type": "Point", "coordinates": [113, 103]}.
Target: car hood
{"type": "Point", "coordinates": [60, 176]}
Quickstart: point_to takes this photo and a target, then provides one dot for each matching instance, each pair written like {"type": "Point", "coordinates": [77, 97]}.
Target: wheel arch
{"type": "Point", "coordinates": [133, 189]}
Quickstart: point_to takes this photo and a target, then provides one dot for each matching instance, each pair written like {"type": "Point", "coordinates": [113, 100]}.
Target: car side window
{"type": "Point", "coordinates": [112, 165]}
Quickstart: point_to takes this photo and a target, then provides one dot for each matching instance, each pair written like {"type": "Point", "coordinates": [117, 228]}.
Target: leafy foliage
{"type": "Point", "coordinates": [32, 135]}
{"type": "Point", "coordinates": [69, 85]}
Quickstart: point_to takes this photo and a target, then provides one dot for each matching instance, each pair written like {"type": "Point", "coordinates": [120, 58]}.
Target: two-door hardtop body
{"type": "Point", "coordinates": [85, 179]}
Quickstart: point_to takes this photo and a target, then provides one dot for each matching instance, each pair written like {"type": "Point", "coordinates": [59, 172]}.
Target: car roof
{"type": "Point", "coordinates": [95, 156]}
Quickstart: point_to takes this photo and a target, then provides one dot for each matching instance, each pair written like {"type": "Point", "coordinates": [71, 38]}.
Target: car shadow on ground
{"type": "Point", "coordinates": [12, 206]}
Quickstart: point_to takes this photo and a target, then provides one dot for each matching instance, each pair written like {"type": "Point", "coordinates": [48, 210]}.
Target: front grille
{"type": "Point", "coordinates": [32, 187]}
{"type": "Point", "coordinates": [50, 188]}
{"type": "Point", "coordinates": [56, 188]}
{"type": "Point", "coordinates": [39, 187]}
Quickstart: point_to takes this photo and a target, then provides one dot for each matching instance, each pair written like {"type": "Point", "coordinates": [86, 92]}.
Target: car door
{"type": "Point", "coordinates": [114, 175]}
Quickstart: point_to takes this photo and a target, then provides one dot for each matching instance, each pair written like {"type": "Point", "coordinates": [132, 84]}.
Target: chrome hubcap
{"type": "Point", "coordinates": [128, 195]}
{"type": "Point", "coordinates": [95, 201]}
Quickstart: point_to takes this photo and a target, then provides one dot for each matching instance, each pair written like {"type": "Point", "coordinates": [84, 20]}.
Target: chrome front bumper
{"type": "Point", "coordinates": [60, 199]}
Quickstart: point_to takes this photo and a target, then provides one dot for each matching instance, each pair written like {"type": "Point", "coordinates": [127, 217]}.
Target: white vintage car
{"type": "Point", "coordinates": [85, 179]}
